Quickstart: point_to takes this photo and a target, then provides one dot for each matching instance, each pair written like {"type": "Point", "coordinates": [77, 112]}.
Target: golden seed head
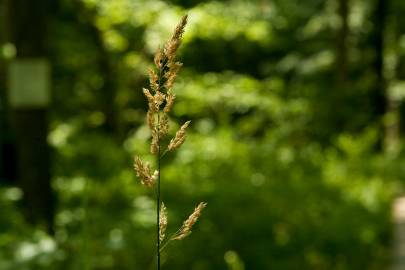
{"type": "Point", "coordinates": [179, 31]}
{"type": "Point", "coordinates": [171, 48]}
{"type": "Point", "coordinates": [174, 43]}
{"type": "Point", "coordinates": [180, 137]}
{"type": "Point", "coordinates": [158, 59]}
{"type": "Point", "coordinates": [154, 145]}
{"type": "Point", "coordinates": [188, 224]}
{"type": "Point", "coordinates": [150, 119]}
{"type": "Point", "coordinates": [150, 99]}
{"type": "Point", "coordinates": [143, 172]}
{"type": "Point", "coordinates": [154, 101]}
{"type": "Point", "coordinates": [163, 125]}
{"type": "Point", "coordinates": [162, 222]}
{"type": "Point", "coordinates": [170, 97]}
{"type": "Point", "coordinates": [159, 97]}
{"type": "Point", "coordinates": [153, 80]}
{"type": "Point", "coordinates": [171, 75]}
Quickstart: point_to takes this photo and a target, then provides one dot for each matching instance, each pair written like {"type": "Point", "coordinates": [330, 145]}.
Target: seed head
{"type": "Point", "coordinates": [150, 119]}
{"type": "Point", "coordinates": [179, 31]}
{"type": "Point", "coordinates": [143, 171]}
{"type": "Point", "coordinates": [162, 222]}
{"type": "Point", "coordinates": [163, 125]}
{"type": "Point", "coordinates": [159, 97]}
{"type": "Point", "coordinates": [158, 59]}
{"type": "Point", "coordinates": [154, 145]}
{"type": "Point", "coordinates": [174, 43]}
{"type": "Point", "coordinates": [170, 97]}
{"type": "Point", "coordinates": [188, 224]}
{"type": "Point", "coordinates": [180, 137]}
{"type": "Point", "coordinates": [150, 98]}
{"type": "Point", "coordinates": [171, 75]}
{"type": "Point", "coordinates": [153, 80]}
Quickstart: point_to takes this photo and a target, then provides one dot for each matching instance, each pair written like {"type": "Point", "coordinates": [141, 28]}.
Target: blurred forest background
{"type": "Point", "coordinates": [297, 111]}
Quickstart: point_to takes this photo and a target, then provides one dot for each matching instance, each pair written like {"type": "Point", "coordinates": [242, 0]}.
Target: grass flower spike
{"type": "Point", "coordinates": [162, 223]}
{"type": "Point", "coordinates": [180, 137]}
{"type": "Point", "coordinates": [161, 99]}
{"type": "Point", "coordinates": [188, 224]}
{"type": "Point", "coordinates": [144, 173]}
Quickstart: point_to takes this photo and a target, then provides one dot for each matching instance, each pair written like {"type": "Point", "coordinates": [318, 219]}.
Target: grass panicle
{"type": "Point", "coordinates": [161, 99]}
{"type": "Point", "coordinates": [162, 222]}
{"type": "Point", "coordinates": [188, 224]}
{"type": "Point", "coordinates": [143, 171]}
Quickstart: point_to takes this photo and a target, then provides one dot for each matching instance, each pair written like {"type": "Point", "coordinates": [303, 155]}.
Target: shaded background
{"type": "Point", "coordinates": [296, 140]}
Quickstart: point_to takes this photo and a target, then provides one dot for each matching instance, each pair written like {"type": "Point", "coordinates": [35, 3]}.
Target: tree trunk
{"type": "Point", "coordinates": [26, 23]}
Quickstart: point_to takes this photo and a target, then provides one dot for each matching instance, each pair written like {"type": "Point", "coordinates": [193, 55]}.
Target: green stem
{"type": "Point", "coordinates": [169, 239]}
{"type": "Point", "coordinates": [164, 153]}
{"type": "Point", "coordinates": [165, 244]}
{"type": "Point", "coordinates": [160, 76]}
{"type": "Point", "coordinates": [158, 198]}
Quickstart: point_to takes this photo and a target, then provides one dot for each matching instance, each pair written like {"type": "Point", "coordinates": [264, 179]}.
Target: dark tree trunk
{"type": "Point", "coordinates": [27, 25]}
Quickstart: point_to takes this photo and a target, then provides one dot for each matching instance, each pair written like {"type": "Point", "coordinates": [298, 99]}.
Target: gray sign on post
{"type": "Point", "coordinates": [29, 83]}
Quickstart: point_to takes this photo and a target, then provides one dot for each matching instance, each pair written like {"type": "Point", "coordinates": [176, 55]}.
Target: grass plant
{"type": "Point", "coordinates": [161, 98]}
